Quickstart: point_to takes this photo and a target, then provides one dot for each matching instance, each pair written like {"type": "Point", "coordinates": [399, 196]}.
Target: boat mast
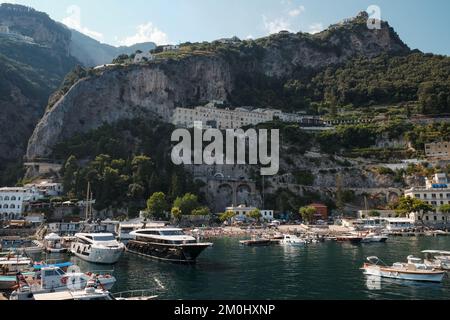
{"type": "Point", "coordinates": [88, 195]}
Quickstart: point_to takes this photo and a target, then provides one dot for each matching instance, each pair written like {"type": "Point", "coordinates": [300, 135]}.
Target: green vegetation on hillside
{"type": "Point", "coordinates": [125, 164]}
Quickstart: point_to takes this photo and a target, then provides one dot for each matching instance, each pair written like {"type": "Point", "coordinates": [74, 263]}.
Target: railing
{"type": "Point", "coordinates": [135, 294]}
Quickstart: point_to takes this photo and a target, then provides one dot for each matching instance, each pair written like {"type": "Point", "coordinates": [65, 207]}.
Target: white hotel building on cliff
{"type": "Point", "coordinates": [13, 201]}
{"type": "Point", "coordinates": [437, 193]}
{"type": "Point", "coordinates": [225, 118]}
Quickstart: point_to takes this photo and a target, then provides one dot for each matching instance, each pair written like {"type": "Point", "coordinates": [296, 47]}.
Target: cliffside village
{"type": "Point", "coordinates": [25, 206]}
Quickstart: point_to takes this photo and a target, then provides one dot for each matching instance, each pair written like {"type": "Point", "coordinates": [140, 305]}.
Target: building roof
{"type": "Point", "coordinates": [318, 205]}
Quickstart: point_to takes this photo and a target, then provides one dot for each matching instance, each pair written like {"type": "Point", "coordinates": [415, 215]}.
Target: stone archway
{"type": "Point", "coordinates": [224, 196]}
{"type": "Point", "coordinates": [243, 194]}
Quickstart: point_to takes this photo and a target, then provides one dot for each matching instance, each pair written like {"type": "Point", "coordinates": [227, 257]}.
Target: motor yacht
{"type": "Point", "coordinates": [166, 244]}
{"type": "Point", "coordinates": [101, 248]}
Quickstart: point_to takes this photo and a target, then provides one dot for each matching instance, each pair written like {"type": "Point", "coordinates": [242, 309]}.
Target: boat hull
{"type": "Point", "coordinates": [102, 255]}
{"type": "Point", "coordinates": [184, 254]}
{"type": "Point", "coordinates": [432, 276]}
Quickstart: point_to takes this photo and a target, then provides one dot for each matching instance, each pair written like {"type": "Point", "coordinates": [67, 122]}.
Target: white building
{"type": "Point", "coordinates": [399, 224]}
{"type": "Point", "coordinates": [64, 228]}
{"type": "Point", "coordinates": [211, 116]}
{"type": "Point", "coordinates": [233, 40]}
{"type": "Point", "coordinates": [143, 56]}
{"type": "Point", "coordinates": [47, 188]}
{"type": "Point", "coordinates": [242, 212]}
{"type": "Point", "coordinates": [170, 47]}
{"type": "Point", "coordinates": [366, 214]}
{"type": "Point", "coordinates": [437, 193]}
{"type": "Point", "coordinates": [13, 201]}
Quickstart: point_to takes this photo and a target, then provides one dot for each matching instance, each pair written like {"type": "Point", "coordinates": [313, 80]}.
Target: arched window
{"type": "Point", "coordinates": [6, 198]}
{"type": "Point", "coordinates": [13, 198]}
{"type": "Point", "coordinates": [12, 206]}
{"type": "Point", "coordinates": [5, 206]}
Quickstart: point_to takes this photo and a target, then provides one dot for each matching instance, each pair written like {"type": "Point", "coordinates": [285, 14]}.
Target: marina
{"type": "Point", "coordinates": [322, 270]}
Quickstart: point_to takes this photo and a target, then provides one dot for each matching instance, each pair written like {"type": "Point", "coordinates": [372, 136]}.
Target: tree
{"type": "Point", "coordinates": [374, 213]}
{"type": "Point", "coordinates": [69, 172]}
{"type": "Point", "coordinates": [308, 213]}
{"type": "Point", "coordinates": [255, 214]}
{"type": "Point", "coordinates": [176, 213]}
{"type": "Point", "coordinates": [157, 205]}
{"type": "Point", "coordinates": [203, 211]}
{"type": "Point", "coordinates": [407, 205]}
{"type": "Point", "coordinates": [227, 216]}
{"type": "Point", "coordinates": [187, 203]}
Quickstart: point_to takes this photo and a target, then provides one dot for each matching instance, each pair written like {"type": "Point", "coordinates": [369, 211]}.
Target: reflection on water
{"type": "Point", "coordinates": [319, 271]}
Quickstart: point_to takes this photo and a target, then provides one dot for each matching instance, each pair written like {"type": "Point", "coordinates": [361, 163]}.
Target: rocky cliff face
{"type": "Point", "coordinates": [154, 90]}
{"type": "Point", "coordinates": [33, 60]}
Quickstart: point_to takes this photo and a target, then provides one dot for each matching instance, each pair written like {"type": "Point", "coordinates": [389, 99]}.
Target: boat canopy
{"type": "Point", "coordinates": [52, 237]}
{"type": "Point", "coordinates": [446, 253]}
{"type": "Point", "coordinates": [14, 262]}
{"type": "Point", "coordinates": [59, 265]}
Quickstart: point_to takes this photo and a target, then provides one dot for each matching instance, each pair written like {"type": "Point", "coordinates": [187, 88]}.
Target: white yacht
{"type": "Point", "coordinates": [292, 240]}
{"type": "Point", "coordinates": [100, 248]}
{"type": "Point", "coordinates": [167, 244]}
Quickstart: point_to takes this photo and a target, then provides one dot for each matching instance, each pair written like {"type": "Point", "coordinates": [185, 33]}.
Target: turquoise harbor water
{"type": "Point", "coordinates": [319, 271]}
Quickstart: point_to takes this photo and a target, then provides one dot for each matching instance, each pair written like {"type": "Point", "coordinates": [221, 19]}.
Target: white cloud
{"type": "Point", "coordinates": [249, 37]}
{"type": "Point", "coordinates": [146, 33]}
{"type": "Point", "coordinates": [276, 25]}
{"type": "Point", "coordinates": [73, 21]}
{"type": "Point", "coordinates": [316, 28]}
{"type": "Point", "coordinates": [297, 11]}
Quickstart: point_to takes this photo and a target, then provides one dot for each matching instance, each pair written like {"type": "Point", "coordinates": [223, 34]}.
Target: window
{"type": "Point", "coordinates": [13, 198]}
{"type": "Point", "coordinates": [6, 198]}
{"type": "Point", "coordinates": [417, 196]}
{"type": "Point", "coordinates": [435, 218]}
{"type": "Point", "coordinates": [433, 196]}
{"type": "Point", "coordinates": [5, 206]}
{"type": "Point", "coordinates": [12, 206]}
{"type": "Point", "coordinates": [427, 218]}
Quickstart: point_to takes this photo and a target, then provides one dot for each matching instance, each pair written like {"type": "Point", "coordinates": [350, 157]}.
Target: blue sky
{"type": "Point", "coordinates": [424, 25]}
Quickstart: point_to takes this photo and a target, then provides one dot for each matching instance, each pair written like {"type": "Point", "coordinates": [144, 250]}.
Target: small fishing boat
{"type": "Point", "coordinates": [350, 238]}
{"type": "Point", "coordinates": [374, 238]}
{"type": "Point", "coordinates": [256, 242]}
{"type": "Point", "coordinates": [292, 240]}
{"type": "Point", "coordinates": [413, 270]}
{"type": "Point", "coordinates": [438, 259]}
{"type": "Point", "coordinates": [51, 279]}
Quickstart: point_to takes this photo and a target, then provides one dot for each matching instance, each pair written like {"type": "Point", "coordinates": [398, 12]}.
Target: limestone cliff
{"type": "Point", "coordinates": [185, 79]}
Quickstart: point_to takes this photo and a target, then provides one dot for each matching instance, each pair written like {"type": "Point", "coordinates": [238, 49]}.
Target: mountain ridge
{"type": "Point", "coordinates": [200, 73]}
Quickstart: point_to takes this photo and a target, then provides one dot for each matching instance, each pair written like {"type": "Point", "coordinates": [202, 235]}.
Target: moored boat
{"type": "Point", "coordinates": [350, 238]}
{"type": "Point", "coordinates": [52, 244]}
{"type": "Point", "coordinates": [438, 259]}
{"type": "Point", "coordinates": [374, 238]}
{"type": "Point", "coordinates": [51, 279]}
{"type": "Point", "coordinates": [166, 244]}
{"type": "Point", "coordinates": [101, 248]}
{"type": "Point", "coordinates": [256, 242]}
{"type": "Point", "coordinates": [412, 270]}
{"type": "Point", "coordinates": [292, 240]}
